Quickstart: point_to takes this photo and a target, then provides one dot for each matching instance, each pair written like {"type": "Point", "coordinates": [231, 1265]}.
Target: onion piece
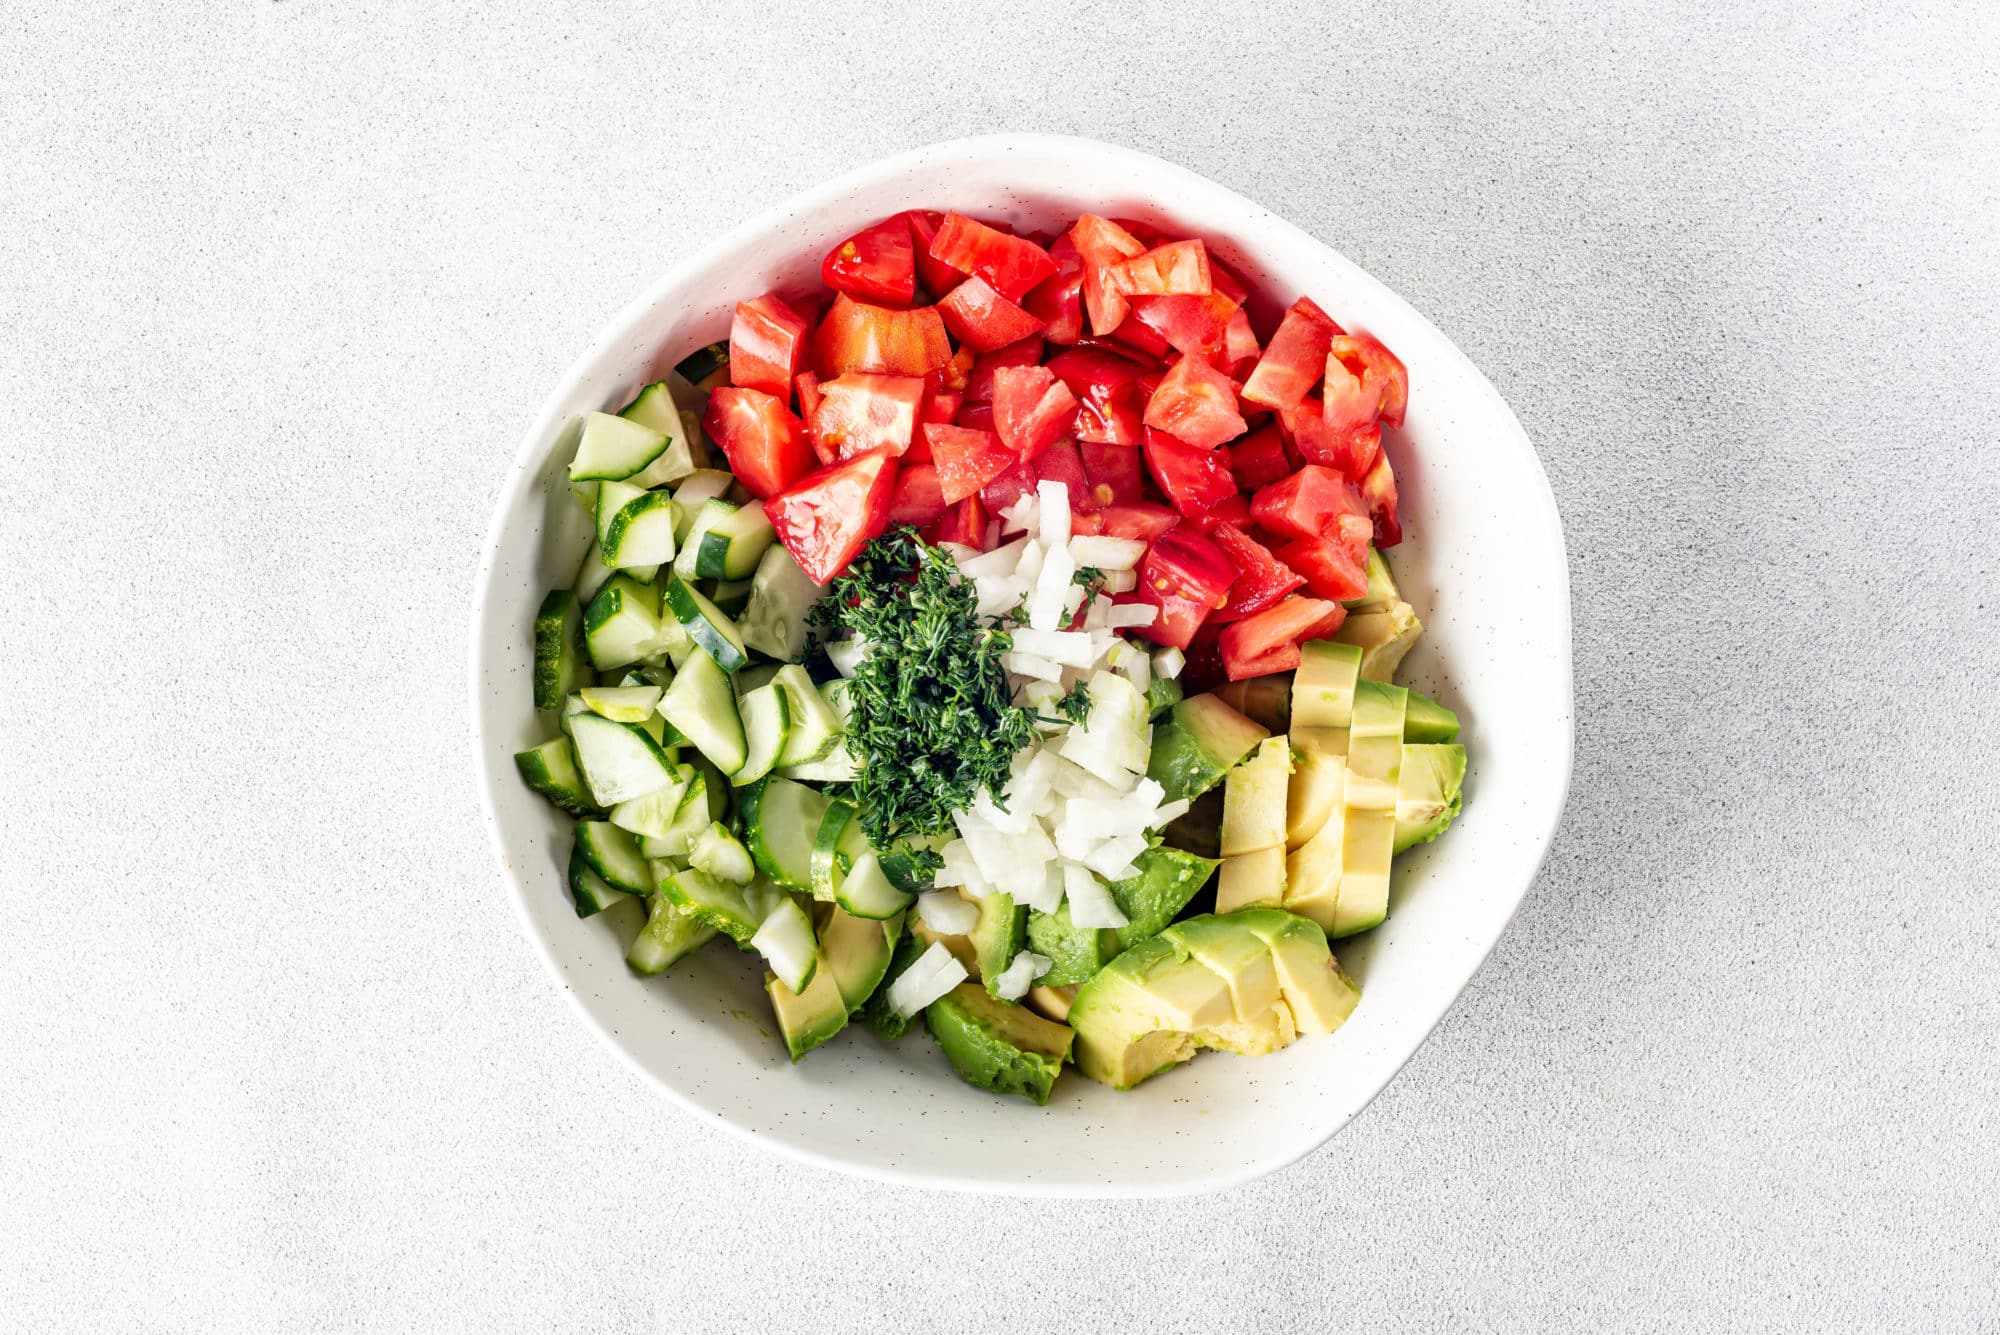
{"type": "Point", "coordinates": [1012, 983]}
{"type": "Point", "coordinates": [933, 973]}
{"type": "Point", "coordinates": [1106, 554]}
{"type": "Point", "coordinates": [1090, 903]}
{"type": "Point", "coordinates": [947, 911]}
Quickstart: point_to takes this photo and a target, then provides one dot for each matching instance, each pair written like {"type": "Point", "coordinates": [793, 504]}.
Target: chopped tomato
{"type": "Point", "coordinates": [1140, 520]}
{"type": "Point", "coordinates": [1326, 625]}
{"type": "Point", "coordinates": [1295, 359]}
{"type": "Point", "coordinates": [1031, 408]}
{"type": "Point", "coordinates": [1061, 463]}
{"type": "Point", "coordinates": [1194, 479]}
{"type": "Point", "coordinates": [1328, 566]}
{"type": "Point", "coordinates": [1101, 244]}
{"type": "Point", "coordinates": [767, 346]}
{"type": "Point", "coordinates": [824, 519]}
{"type": "Point", "coordinates": [1378, 489]}
{"type": "Point", "coordinates": [1188, 324]}
{"type": "Point", "coordinates": [967, 459]}
{"type": "Point", "coordinates": [1178, 269]}
{"type": "Point", "coordinates": [1261, 578]}
{"type": "Point", "coordinates": [1012, 265]}
{"type": "Point", "coordinates": [964, 523]}
{"type": "Point", "coordinates": [1196, 403]}
{"type": "Point", "coordinates": [978, 416]}
{"type": "Point", "coordinates": [1107, 389]}
{"type": "Point", "coordinates": [1239, 342]}
{"type": "Point", "coordinates": [1308, 504]}
{"type": "Point", "coordinates": [808, 387]}
{"type": "Point", "coordinates": [983, 319]}
{"type": "Point", "coordinates": [1057, 301]}
{"type": "Point", "coordinates": [979, 380]}
{"type": "Point", "coordinates": [1259, 459]}
{"type": "Point", "coordinates": [1250, 645]}
{"type": "Point", "coordinates": [1204, 659]}
{"type": "Point", "coordinates": [952, 375]}
{"type": "Point", "coordinates": [937, 277]}
{"type": "Point", "coordinates": [1349, 451]}
{"type": "Point", "coordinates": [855, 336]}
{"type": "Point", "coordinates": [765, 442]}
{"type": "Point", "coordinates": [918, 498]}
{"type": "Point", "coordinates": [1141, 338]}
{"type": "Point", "coordinates": [1382, 378]}
{"type": "Point", "coordinates": [1232, 511]}
{"type": "Point", "coordinates": [1013, 482]}
{"type": "Point", "coordinates": [1186, 576]}
{"type": "Point", "coordinates": [1116, 473]}
{"type": "Point", "coordinates": [860, 412]}
{"type": "Point", "coordinates": [1351, 401]}
{"type": "Point", "coordinates": [877, 264]}
{"type": "Point", "coordinates": [940, 405]}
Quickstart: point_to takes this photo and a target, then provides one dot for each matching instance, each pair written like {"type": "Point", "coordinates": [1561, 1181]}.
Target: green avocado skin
{"type": "Point", "coordinates": [1168, 878]}
{"type": "Point", "coordinates": [1076, 952]}
{"type": "Point", "coordinates": [985, 1059]}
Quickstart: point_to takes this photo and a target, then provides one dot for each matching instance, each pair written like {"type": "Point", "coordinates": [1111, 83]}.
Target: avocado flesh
{"type": "Point", "coordinates": [1384, 637]}
{"type": "Point", "coordinates": [1368, 828]}
{"type": "Point", "coordinates": [1262, 1022]}
{"type": "Point", "coordinates": [961, 947]}
{"type": "Point", "coordinates": [1429, 792]}
{"type": "Point", "coordinates": [809, 1018]}
{"type": "Point", "coordinates": [1266, 700]}
{"type": "Point", "coordinates": [1168, 878]}
{"type": "Point", "coordinates": [1251, 880]}
{"type": "Point", "coordinates": [1200, 740]}
{"type": "Point", "coordinates": [1428, 721]}
{"type": "Point", "coordinates": [1254, 798]}
{"type": "Point", "coordinates": [1075, 952]}
{"type": "Point", "coordinates": [857, 951]}
{"type": "Point", "coordinates": [1381, 592]}
{"type": "Point", "coordinates": [998, 936]}
{"type": "Point", "coordinates": [1121, 1037]}
{"type": "Point", "coordinates": [998, 1046]}
{"type": "Point", "coordinates": [1323, 685]}
{"type": "Point", "coordinates": [1319, 773]}
{"type": "Point", "coordinates": [1052, 1002]}
{"type": "Point", "coordinates": [1312, 873]}
{"type": "Point", "coordinates": [1320, 995]}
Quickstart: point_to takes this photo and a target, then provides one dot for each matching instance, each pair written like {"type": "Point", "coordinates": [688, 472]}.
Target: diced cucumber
{"type": "Point", "coordinates": [550, 769]}
{"type": "Point", "coordinates": [726, 542]}
{"type": "Point", "coordinates": [655, 408]}
{"type": "Point", "coordinates": [719, 797]}
{"type": "Point", "coordinates": [814, 729]}
{"type": "Point", "coordinates": [641, 533]}
{"type": "Point", "coordinates": [612, 855]}
{"type": "Point", "coordinates": [702, 709]}
{"type": "Point", "coordinates": [696, 490]}
{"type": "Point", "coordinates": [592, 893]}
{"type": "Point", "coordinates": [719, 853]}
{"type": "Point", "coordinates": [839, 766]}
{"type": "Point", "coordinates": [619, 761]}
{"type": "Point", "coordinates": [780, 821]}
{"type": "Point", "coordinates": [590, 576]}
{"type": "Point", "coordinates": [689, 820]}
{"type": "Point", "coordinates": [656, 815]}
{"type": "Point", "coordinates": [785, 940]}
{"type": "Point", "coordinates": [560, 665]}
{"type": "Point", "coordinates": [781, 595]}
{"type": "Point", "coordinates": [839, 842]}
{"type": "Point", "coordinates": [732, 596]}
{"type": "Point", "coordinates": [867, 892]}
{"type": "Point", "coordinates": [614, 447]}
{"type": "Point", "coordinates": [704, 368]}
{"type": "Point", "coordinates": [623, 703]}
{"type": "Point", "coordinates": [671, 933]}
{"type": "Point", "coordinates": [622, 625]}
{"type": "Point", "coordinates": [611, 497]}
{"type": "Point", "coordinates": [766, 722]}
{"type": "Point", "coordinates": [750, 678]}
{"type": "Point", "coordinates": [714, 902]}
{"type": "Point", "coordinates": [713, 633]}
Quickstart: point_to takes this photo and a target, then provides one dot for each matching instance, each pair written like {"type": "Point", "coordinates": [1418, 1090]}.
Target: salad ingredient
{"type": "Point", "coordinates": [550, 769]}
{"type": "Point", "coordinates": [856, 336]}
{"type": "Point", "coordinates": [785, 939]}
{"type": "Point", "coordinates": [863, 411]}
{"type": "Point", "coordinates": [1383, 637]}
{"type": "Point", "coordinates": [931, 975]}
{"type": "Point", "coordinates": [1011, 265]}
{"type": "Point", "coordinates": [809, 1017]}
{"type": "Point", "coordinates": [1201, 740]}
{"type": "Point", "coordinates": [1428, 791]}
{"type": "Point", "coordinates": [560, 666]}
{"type": "Point", "coordinates": [614, 448]}
{"type": "Point", "coordinates": [767, 347]}
{"type": "Point", "coordinates": [764, 440]}
{"type": "Point", "coordinates": [828, 517]}
{"type": "Point", "coordinates": [1005, 1048]}
{"type": "Point", "coordinates": [876, 264]}
{"type": "Point", "coordinates": [781, 597]}
{"type": "Point", "coordinates": [858, 951]}
{"type": "Point", "coordinates": [1425, 720]}
{"type": "Point", "coordinates": [998, 936]}
{"type": "Point", "coordinates": [670, 934]}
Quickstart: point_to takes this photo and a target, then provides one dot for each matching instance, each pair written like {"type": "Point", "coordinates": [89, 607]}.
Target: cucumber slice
{"type": "Point", "coordinates": [719, 853]}
{"type": "Point", "coordinates": [766, 722]}
{"type": "Point", "coordinates": [560, 665]}
{"type": "Point", "coordinates": [619, 760]}
{"type": "Point", "coordinates": [689, 820]}
{"type": "Point", "coordinates": [712, 512]}
{"type": "Point", "coordinates": [622, 703]}
{"type": "Point", "coordinates": [780, 821]}
{"type": "Point", "coordinates": [655, 408]}
{"type": "Point", "coordinates": [592, 893]}
{"type": "Point", "coordinates": [696, 490]}
{"type": "Point", "coordinates": [713, 633]}
{"type": "Point", "coordinates": [656, 815]}
{"type": "Point", "coordinates": [612, 855]}
{"type": "Point", "coordinates": [671, 933]}
{"type": "Point", "coordinates": [814, 729]}
{"type": "Point", "coordinates": [613, 448]}
{"type": "Point", "coordinates": [781, 595]}
{"type": "Point", "coordinates": [641, 533]}
{"type": "Point", "coordinates": [702, 709]}
{"type": "Point", "coordinates": [727, 542]}
{"type": "Point", "coordinates": [611, 497]}
{"type": "Point", "coordinates": [867, 892]}
{"type": "Point", "coordinates": [750, 678]}
{"type": "Point", "coordinates": [732, 598]}
{"type": "Point", "coordinates": [840, 766]}
{"type": "Point", "coordinates": [550, 769]}
{"type": "Point", "coordinates": [704, 368]}
{"type": "Point", "coordinates": [785, 940]}
{"type": "Point", "coordinates": [714, 902]}
{"type": "Point", "coordinates": [839, 842]}
{"type": "Point", "coordinates": [719, 799]}
{"type": "Point", "coordinates": [622, 625]}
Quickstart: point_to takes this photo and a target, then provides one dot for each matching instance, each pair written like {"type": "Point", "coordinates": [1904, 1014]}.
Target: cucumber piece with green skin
{"type": "Point", "coordinates": [592, 893]}
{"type": "Point", "coordinates": [655, 408]}
{"type": "Point", "coordinates": [671, 933]}
{"type": "Point", "coordinates": [1162, 694]}
{"type": "Point", "coordinates": [815, 731]}
{"type": "Point", "coordinates": [726, 542]}
{"type": "Point", "coordinates": [839, 841]}
{"type": "Point", "coordinates": [622, 625]}
{"type": "Point", "coordinates": [867, 892]}
{"type": "Point", "coordinates": [550, 769]}
{"type": "Point", "coordinates": [620, 761]}
{"type": "Point", "coordinates": [688, 821]}
{"type": "Point", "coordinates": [719, 797]}
{"type": "Point", "coordinates": [656, 815]}
{"type": "Point", "coordinates": [780, 821]}
{"type": "Point", "coordinates": [640, 533]}
{"type": "Point", "coordinates": [732, 597]}
{"type": "Point", "coordinates": [839, 766]}
{"type": "Point", "coordinates": [591, 574]}
{"type": "Point", "coordinates": [702, 709]}
{"type": "Point", "coordinates": [717, 903]}
{"type": "Point", "coordinates": [622, 703]}
{"type": "Point", "coordinates": [750, 678]}
{"type": "Point", "coordinates": [712, 633]}
{"type": "Point", "coordinates": [560, 663]}
{"type": "Point", "coordinates": [613, 448]}
{"type": "Point", "coordinates": [613, 855]}
{"type": "Point", "coordinates": [766, 721]}
{"type": "Point", "coordinates": [696, 490]}
{"type": "Point", "coordinates": [785, 939]}
{"type": "Point", "coordinates": [572, 705]}
{"type": "Point", "coordinates": [719, 853]}
{"type": "Point", "coordinates": [781, 595]}
{"type": "Point", "coordinates": [705, 368]}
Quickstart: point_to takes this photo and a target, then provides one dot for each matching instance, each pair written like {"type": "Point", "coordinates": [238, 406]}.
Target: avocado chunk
{"type": "Point", "coordinates": [1428, 721]}
{"type": "Point", "coordinates": [1263, 1021]}
{"type": "Point", "coordinates": [876, 1012]}
{"type": "Point", "coordinates": [809, 1018]}
{"type": "Point", "coordinates": [1383, 637]}
{"type": "Point", "coordinates": [1323, 685]}
{"type": "Point", "coordinates": [997, 1045]}
{"type": "Point", "coordinates": [1200, 740]}
{"type": "Point", "coordinates": [1374, 766]}
{"type": "Point", "coordinates": [1139, 1015]}
{"type": "Point", "coordinates": [1254, 796]}
{"type": "Point", "coordinates": [1312, 871]}
{"type": "Point", "coordinates": [1320, 994]}
{"type": "Point", "coordinates": [1381, 592]}
{"type": "Point", "coordinates": [1428, 792]}
{"type": "Point", "coordinates": [1076, 952]}
{"type": "Point", "coordinates": [858, 951]}
{"type": "Point", "coordinates": [960, 946]}
{"type": "Point", "coordinates": [1052, 1002]}
{"type": "Point", "coordinates": [1266, 699]}
{"type": "Point", "coordinates": [1251, 880]}
{"type": "Point", "coordinates": [1319, 773]}
{"type": "Point", "coordinates": [1168, 878]}
{"type": "Point", "coordinates": [999, 935]}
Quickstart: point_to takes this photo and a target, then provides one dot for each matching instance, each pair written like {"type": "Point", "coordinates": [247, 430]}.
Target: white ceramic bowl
{"type": "Point", "coordinates": [1483, 563]}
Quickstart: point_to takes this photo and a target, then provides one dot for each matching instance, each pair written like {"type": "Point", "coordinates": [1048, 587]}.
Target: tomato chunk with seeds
{"type": "Point", "coordinates": [1308, 504]}
{"type": "Point", "coordinates": [767, 346]}
{"type": "Point", "coordinates": [1231, 511]}
{"type": "Point", "coordinates": [1259, 459]}
{"type": "Point", "coordinates": [967, 459]}
{"type": "Point", "coordinates": [937, 277]}
{"type": "Point", "coordinates": [1379, 374]}
{"type": "Point", "coordinates": [856, 336]}
{"type": "Point", "coordinates": [1261, 578]}
{"type": "Point", "coordinates": [964, 524]}
{"type": "Point", "coordinates": [1010, 485]}
{"type": "Point", "coordinates": [825, 518]}
{"type": "Point", "coordinates": [861, 411]}
{"type": "Point", "coordinates": [1378, 489]}
{"type": "Point", "coordinates": [765, 442]}
{"type": "Point", "coordinates": [918, 497]}
{"type": "Point", "coordinates": [1111, 403]}
{"type": "Point", "coordinates": [1102, 244]}
{"type": "Point", "coordinates": [1196, 403]}
{"type": "Point", "coordinates": [877, 264]}
{"type": "Point", "coordinates": [1187, 577]}
{"type": "Point", "coordinates": [1117, 474]}
{"type": "Point", "coordinates": [1178, 269]}
{"type": "Point", "coordinates": [1061, 463]}
{"type": "Point", "coordinates": [1032, 409]}
{"type": "Point", "coordinates": [1012, 265]}
{"type": "Point", "coordinates": [1295, 360]}
{"type": "Point", "coordinates": [1140, 520]}
{"type": "Point", "coordinates": [981, 318]}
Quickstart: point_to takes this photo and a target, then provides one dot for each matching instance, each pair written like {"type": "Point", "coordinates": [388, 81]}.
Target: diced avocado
{"type": "Point", "coordinates": [1262, 1021]}
{"type": "Point", "coordinates": [1374, 766]}
{"type": "Point", "coordinates": [1428, 792]}
{"type": "Point", "coordinates": [876, 1012]}
{"type": "Point", "coordinates": [1319, 773]}
{"type": "Point", "coordinates": [858, 951]}
{"type": "Point", "coordinates": [997, 1045]}
{"type": "Point", "coordinates": [1168, 878]}
{"type": "Point", "coordinates": [1384, 637]}
{"type": "Point", "coordinates": [1198, 830]}
{"type": "Point", "coordinates": [1001, 932]}
{"type": "Point", "coordinates": [1323, 686]}
{"type": "Point", "coordinates": [1254, 798]}
{"type": "Point", "coordinates": [1076, 952]}
{"type": "Point", "coordinates": [1053, 1002]}
{"type": "Point", "coordinates": [1199, 741]}
{"type": "Point", "coordinates": [1251, 880]}
{"type": "Point", "coordinates": [1428, 721]}
{"type": "Point", "coordinates": [1141, 1013]}
{"type": "Point", "coordinates": [1266, 699]}
{"type": "Point", "coordinates": [1320, 995]}
{"type": "Point", "coordinates": [1381, 587]}
{"type": "Point", "coordinates": [960, 946]}
{"type": "Point", "coordinates": [1312, 870]}
{"type": "Point", "coordinates": [809, 1018]}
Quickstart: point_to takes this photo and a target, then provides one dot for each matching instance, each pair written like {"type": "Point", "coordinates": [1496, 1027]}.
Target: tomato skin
{"type": "Point", "coordinates": [964, 524]}
{"type": "Point", "coordinates": [1187, 577]}
{"type": "Point", "coordinates": [1012, 265]}
{"type": "Point", "coordinates": [767, 346]}
{"type": "Point", "coordinates": [1261, 578]}
{"type": "Point", "coordinates": [1327, 566]}
{"type": "Point", "coordinates": [1032, 409]}
{"type": "Point", "coordinates": [984, 320]}
{"type": "Point", "coordinates": [1116, 473]}
{"type": "Point", "coordinates": [1013, 482]}
{"type": "Point", "coordinates": [918, 498]}
{"type": "Point", "coordinates": [1057, 301]}
{"type": "Point", "coordinates": [825, 518]}
{"type": "Point", "coordinates": [860, 411]}
{"type": "Point", "coordinates": [764, 440]}
{"type": "Point", "coordinates": [1250, 645]}
{"type": "Point", "coordinates": [1374, 376]}
{"type": "Point", "coordinates": [1140, 520]}
{"type": "Point", "coordinates": [967, 459]}
{"type": "Point", "coordinates": [1193, 479]}
{"type": "Point", "coordinates": [1101, 244]}
{"type": "Point", "coordinates": [856, 336]}
{"type": "Point", "coordinates": [940, 405]}
{"type": "Point", "coordinates": [878, 264]}
{"type": "Point", "coordinates": [1259, 459]}
{"type": "Point", "coordinates": [1378, 490]}
{"type": "Point", "coordinates": [1232, 511]}
{"type": "Point", "coordinates": [1177, 269]}
{"type": "Point", "coordinates": [1308, 504]}
{"type": "Point", "coordinates": [1061, 463]}
{"type": "Point", "coordinates": [1348, 450]}
{"type": "Point", "coordinates": [979, 380]}
{"type": "Point", "coordinates": [1295, 359]}
{"type": "Point", "coordinates": [937, 278]}
{"type": "Point", "coordinates": [1133, 336]}
{"type": "Point", "coordinates": [1196, 403]}
{"type": "Point", "coordinates": [1111, 407]}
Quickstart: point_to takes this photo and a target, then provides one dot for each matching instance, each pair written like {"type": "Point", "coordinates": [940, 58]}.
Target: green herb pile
{"type": "Point", "coordinates": [932, 719]}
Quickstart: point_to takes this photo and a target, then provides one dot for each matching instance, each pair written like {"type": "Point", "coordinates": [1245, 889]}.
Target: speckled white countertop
{"type": "Point", "coordinates": [281, 284]}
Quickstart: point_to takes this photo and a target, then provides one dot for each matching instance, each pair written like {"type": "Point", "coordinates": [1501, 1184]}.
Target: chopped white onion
{"type": "Point", "coordinates": [1090, 904]}
{"type": "Point", "coordinates": [947, 912]}
{"type": "Point", "coordinates": [1052, 583]}
{"type": "Point", "coordinates": [1112, 859]}
{"type": "Point", "coordinates": [1054, 498]}
{"type": "Point", "coordinates": [1134, 614]}
{"type": "Point", "coordinates": [1029, 567]}
{"type": "Point", "coordinates": [960, 870]}
{"type": "Point", "coordinates": [933, 973]}
{"type": "Point", "coordinates": [1071, 648]}
{"type": "Point", "coordinates": [1106, 554]}
{"type": "Point", "coordinates": [1120, 581]}
{"type": "Point", "coordinates": [1168, 662]}
{"type": "Point", "coordinates": [1031, 665]}
{"type": "Point", "coordinates": [1012, 983]}
{"type": "Point", "coordinates": [1000, 561]}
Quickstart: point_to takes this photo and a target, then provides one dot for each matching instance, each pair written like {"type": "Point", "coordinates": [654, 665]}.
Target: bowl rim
{"type": "Point", "coordinates": [524, 467]}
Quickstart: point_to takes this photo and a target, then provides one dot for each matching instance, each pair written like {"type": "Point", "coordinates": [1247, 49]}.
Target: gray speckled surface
{"type": "Point", "coordinates": [281, 285]}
